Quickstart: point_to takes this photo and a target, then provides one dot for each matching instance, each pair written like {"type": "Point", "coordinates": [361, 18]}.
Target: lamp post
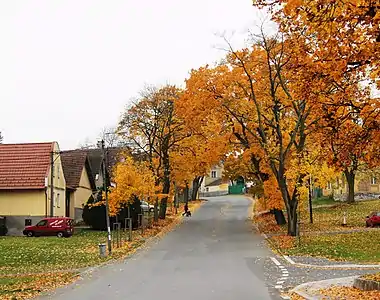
{"type": "Point", "coordinates": [105, 188]}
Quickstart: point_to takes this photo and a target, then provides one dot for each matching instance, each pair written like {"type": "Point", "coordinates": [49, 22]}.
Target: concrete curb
{"type": "Point", "coordinates": [310, 290]}
{"type": "Point", "coordinates": [346, 266]}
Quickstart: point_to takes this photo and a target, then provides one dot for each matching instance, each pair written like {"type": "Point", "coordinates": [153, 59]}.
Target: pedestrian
{"type": "Point", "coordinates": [186, 212]}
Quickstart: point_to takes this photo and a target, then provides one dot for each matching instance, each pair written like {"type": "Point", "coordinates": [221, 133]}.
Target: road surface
{"type": "Point", "coordinates": [215, 254]}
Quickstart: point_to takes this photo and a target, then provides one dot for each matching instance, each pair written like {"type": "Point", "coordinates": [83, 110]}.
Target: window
{"type": "Point", "coordinates": [57, 200]}
{"type": "Point", "coordinates": [58, 171]}
{"type": "Point", "coordinates": [373, 180]}
{"type": "Point", "coordinates": [329, 185]}
{"type": "Point", "coordinates": [42, 223]}
{"type": "Point", "coordinates": [97, 177]}
{"type": "Point", "coordinates": [54, 202]}
{"type": "Point", "coordinates": [213, 174]}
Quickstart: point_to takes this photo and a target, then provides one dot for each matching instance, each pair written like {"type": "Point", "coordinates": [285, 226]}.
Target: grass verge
{"type": "Point", "coordinates": [29, 266]}
{"type": "Point", "coordinates": [353, 246]}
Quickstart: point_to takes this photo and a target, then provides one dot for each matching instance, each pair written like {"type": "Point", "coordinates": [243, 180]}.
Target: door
{"type": "Point", "coordinates": [67, 201]}
{"type": "Point", "coordinates": [42, 228]}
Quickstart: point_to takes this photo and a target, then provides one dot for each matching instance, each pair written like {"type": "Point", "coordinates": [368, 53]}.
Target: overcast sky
{"type": "Point", "coordinates": [68, 68]}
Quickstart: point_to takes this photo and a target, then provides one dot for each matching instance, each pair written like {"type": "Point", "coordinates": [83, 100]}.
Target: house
{"type": "Point", "coordinates": [80, 184]}
{"type": "Point", "coordinates": [95, 157]}
{"type": "Point", "coordinates": [367, 186]}
{"type": "Point", "coordinates": [214, 184]}
{"type": "Point", "coordinates": [26, 186]}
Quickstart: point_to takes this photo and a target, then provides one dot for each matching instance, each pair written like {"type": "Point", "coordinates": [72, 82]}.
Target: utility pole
{"type": "Point", "coordinates": [105, 187]}
{"type": "Point", "coordinates": [52, 184]}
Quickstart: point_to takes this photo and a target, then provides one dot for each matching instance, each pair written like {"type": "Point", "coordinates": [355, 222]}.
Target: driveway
{"type": "Point", "coordinates": [212, 255]}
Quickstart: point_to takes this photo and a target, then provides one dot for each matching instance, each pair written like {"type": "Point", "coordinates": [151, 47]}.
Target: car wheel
{"type": "Point", "coordinates": [60, 234]}
{"type": "Point", "coordinates": [29, 234]}
{"type": "Point", "coordinates": [151, 209]}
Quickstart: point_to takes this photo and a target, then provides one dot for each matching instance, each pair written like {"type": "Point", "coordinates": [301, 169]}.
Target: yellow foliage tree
{"type": "Point", "coordinates": [132, 178]}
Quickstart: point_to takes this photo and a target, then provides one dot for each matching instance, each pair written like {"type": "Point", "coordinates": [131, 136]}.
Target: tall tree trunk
{"type": "Point", "coordinates": [166, 183]}
{"type": "Point", "coordinates": [350, 177]}
{"type": "Point", "coordinates": [196, 185]}
{"type": "Point", "coordinates": [292, 220]}
{"type": "Point", "coordinates": [186, 194]}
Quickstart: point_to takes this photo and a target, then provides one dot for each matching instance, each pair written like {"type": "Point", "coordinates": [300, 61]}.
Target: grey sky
{"type": "Point", "coordinates": [68, 68]}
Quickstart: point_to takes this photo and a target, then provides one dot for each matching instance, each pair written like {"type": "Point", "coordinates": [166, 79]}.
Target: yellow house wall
{"type": "Point", "coordinates": [83, 192]}
{"type": "Point", "coordinates": [59, 185]}
{"type": "Point", "coordinates": [23, 203]}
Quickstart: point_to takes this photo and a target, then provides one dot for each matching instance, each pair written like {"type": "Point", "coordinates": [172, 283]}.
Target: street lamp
{"type": "Point", "coordinates": [105, 188]}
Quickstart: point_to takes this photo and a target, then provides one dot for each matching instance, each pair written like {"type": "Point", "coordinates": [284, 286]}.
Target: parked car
{"type": "Point", "coordinates": [59, 226]}
{"type": "Point", "coordinates": [145, 206]}
{"type": "Point", "coordinates": [373, 219]}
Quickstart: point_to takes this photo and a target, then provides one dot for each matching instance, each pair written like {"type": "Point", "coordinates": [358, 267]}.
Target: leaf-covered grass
{"type": "Point", "coordinates": [360, 247]}
{"type": "Point", "coordinates": [324, 200]}
{"type": "Point", "coordinates": [23, 287]}
{"type": "Point", "coordinates": [20, 255]}
{"type": "Point", "coordinates": [349, 293]}
{"type": "Point", "coordinates": [374, 277]}
{"type": "Point", "coordinates": [325, 218]}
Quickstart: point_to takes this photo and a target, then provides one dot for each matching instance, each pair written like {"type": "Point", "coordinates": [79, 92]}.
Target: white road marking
{"type": "Point", "coordinates": [278, 286]}
{"type": "Point", "coordinates": [280, 282]}
{"type": "Point", "coordinates": [285, 275]}
{"type": "Point", "coordinates": [285, 297]}
{"type": "Point", "coordinates": [276, 262]}
{"type": "Point", "coordinates": [288, 259]}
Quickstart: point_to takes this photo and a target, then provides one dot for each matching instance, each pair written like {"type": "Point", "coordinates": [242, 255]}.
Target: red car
{"type": "Point", "coordinates": [59, 226]}
{"type": "Point", "coordinates": [373, 219]}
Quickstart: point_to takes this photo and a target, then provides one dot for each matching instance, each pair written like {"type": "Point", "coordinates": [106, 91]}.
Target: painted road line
{"type": "Point", "coordinates": [285, 297]}
{"type": "Point", "coordinates": [285, 275]}
{"type": "Point", "coordinates": [280, 281]}
{"type": "Point", "coordinates": [288, 259]}
{"type": "Point", "coordinates": [275, 261]}
{"type": "Point", "coordinates": [278, 286]}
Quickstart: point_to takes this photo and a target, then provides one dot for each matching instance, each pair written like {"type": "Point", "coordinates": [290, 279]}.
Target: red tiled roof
{"type": "Point", "coordinates": [24, 166]}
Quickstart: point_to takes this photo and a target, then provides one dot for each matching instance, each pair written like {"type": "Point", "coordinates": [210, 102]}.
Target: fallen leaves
{"type": "Point", "coordinates": [348, 293]}
{"type": "Point", "coordinates": [22, 287]}
{"type": "Point", "coordinates": [374, 277]}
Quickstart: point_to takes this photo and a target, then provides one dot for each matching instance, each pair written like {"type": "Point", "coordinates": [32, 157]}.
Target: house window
{"type": "Point", "coordinates": [58, 171]}
{"type": "Point", "coordinates": [373, 180]}
{"type": "Point", "coordinates": [54, 202]}
{"type": "Point", "coordinates": [58, 204]}
{"type": "Point", "coordinates": [213, 174]}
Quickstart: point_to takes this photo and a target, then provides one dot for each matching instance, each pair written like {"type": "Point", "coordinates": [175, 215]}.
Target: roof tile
{"type": "Point", "coordinates": [24, 166]}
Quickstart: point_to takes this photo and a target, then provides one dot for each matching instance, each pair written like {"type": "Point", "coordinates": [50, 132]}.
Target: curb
{"type": "Point", "coordinates": [347, 266]}
{"type": "Point", "coordinates": [315, 286]}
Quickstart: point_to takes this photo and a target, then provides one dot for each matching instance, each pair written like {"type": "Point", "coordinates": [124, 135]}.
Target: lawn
{"type": "Point", "coordinates": [325, 218]}
{"type": "Point", "coordinates": [360, 247]}
{"type": "Point", "coordinates": [354, 246]}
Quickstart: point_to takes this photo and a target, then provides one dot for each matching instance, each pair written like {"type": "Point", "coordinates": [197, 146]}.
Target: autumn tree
{"type": "Point", "coordinates": [341, 39]}
{"type": "Point", "coordinates": [152, 127]}
{"type": "Point", "coordinates": [133, 179]}
{"type": "Point", "coordinates": [259, 92]}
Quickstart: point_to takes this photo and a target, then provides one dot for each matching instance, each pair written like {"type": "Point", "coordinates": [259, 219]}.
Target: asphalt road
{"type": "Point", "coordinates": [212, 255]}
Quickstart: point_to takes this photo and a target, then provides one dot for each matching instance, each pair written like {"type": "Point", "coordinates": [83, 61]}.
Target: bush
{"type": "Point", "coordinates": [95, 216]}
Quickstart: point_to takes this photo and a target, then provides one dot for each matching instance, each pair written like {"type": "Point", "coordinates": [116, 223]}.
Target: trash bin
{"type": "Point", "coordinates": [102, 250]}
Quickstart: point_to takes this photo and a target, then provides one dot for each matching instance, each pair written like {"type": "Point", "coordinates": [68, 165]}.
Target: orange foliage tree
{"type": "Point", "coordinates": [152, 127]}
{"type": "Point", "coordinates": [341, 39]}
{"type": "Point", "coordinates": [257, 93]}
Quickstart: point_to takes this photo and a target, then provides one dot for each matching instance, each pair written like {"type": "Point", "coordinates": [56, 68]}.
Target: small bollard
{"type": "Point", "coordinates": [102, 250]}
